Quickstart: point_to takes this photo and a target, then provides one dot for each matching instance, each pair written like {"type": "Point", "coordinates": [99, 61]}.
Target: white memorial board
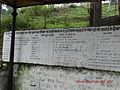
{"type": "Point", "coordinates": [92, 47]}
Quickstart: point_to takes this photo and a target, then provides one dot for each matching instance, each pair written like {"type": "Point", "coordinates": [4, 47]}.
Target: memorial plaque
{"type": "Point", "coordinates": [92, 47]}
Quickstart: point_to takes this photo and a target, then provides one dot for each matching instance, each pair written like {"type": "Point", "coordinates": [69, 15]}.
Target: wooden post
{"type": "Point", "coordinates": [119, 6]}
{"type": "Point", "coordinates": [0, 34]}
{"type": "Point", "coordinates": [0, 15]}
{"type": "Point", "coordinates": [95, 13]}
{"type": "Point", "coordinates": [91, 12]}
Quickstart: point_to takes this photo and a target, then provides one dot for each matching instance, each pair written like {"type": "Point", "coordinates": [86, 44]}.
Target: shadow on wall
{"type": "Point", "coordinates": [113, 20]}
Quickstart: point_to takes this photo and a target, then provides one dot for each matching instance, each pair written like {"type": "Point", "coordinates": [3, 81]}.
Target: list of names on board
{"type": "Point", "coordinates": [92, 47]}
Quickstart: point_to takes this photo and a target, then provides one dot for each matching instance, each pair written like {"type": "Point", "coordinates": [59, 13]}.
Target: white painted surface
{"type": "Point", "coordinates": [96, 48]}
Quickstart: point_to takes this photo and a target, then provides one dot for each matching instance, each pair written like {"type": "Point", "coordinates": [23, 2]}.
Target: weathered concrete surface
{"type": "Point", "coordinates": [30, 77]}
{"type": "Point", "coordinates": [37, 77]}
{"type": "Point", "coordinates": [3, 79]}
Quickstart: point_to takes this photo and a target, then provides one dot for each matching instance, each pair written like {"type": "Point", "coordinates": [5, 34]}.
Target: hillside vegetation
{"type": "Point", "coordinates": [39, 17]}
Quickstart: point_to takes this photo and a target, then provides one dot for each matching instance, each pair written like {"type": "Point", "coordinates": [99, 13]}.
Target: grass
{"type": "Point", "coordinates": [106, 13]}
{"type": "Point", "coordinates": [71, 17]}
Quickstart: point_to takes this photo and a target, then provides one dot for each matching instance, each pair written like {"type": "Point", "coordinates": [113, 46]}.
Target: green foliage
{"type": "Point", "coordinates": [6, 23]}
{"type": "Point", "coordinates": [6, 13]}
{"type": "Point", "coordinates": [23, 22]}
{"type": "Point", "coordinates": [39, 17]}
{"type": "Point", "coordinates": [113, 10]}
{"type": "Point", "coordinates": [73, 6]}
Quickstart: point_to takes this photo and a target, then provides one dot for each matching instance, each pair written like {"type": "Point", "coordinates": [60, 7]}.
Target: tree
{"type": "Point", "coordinates": [42, 10]}
{"type": "Point", "coordinates": [35, 11]}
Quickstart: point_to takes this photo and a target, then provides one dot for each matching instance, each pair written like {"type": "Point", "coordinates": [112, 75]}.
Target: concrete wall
{"type": "Point", "coordinates": [37, 77]}
{"type": "Point", "coordinates": [3, 78]}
